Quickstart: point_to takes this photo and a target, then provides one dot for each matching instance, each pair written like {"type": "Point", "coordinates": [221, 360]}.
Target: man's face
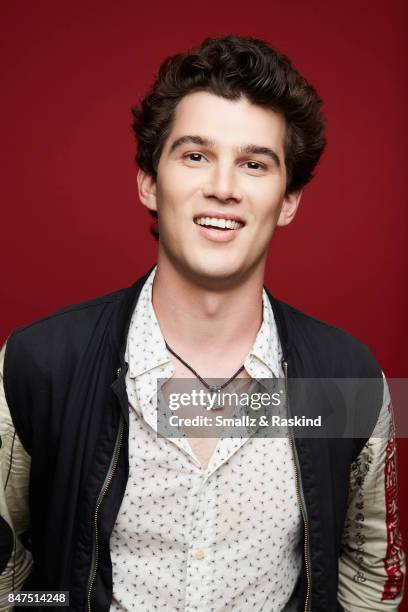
{"type": "Point", "coordinates": [222, 163]}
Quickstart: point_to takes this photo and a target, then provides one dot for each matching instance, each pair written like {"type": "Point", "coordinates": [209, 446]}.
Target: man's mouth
{"type": "Point", "coordinates": [219, 223]}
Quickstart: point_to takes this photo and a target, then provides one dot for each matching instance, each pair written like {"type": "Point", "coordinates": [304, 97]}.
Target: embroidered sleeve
{"type": "Point", "coordinates": [372, 564]}
{"type": "Point", "coordinates": [15, 559]}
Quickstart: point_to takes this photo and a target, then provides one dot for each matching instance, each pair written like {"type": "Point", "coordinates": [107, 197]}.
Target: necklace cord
{"type": "Point", "coordinates": [210, 387]}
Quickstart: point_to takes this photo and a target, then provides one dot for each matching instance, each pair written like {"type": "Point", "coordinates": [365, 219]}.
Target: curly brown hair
{"type": "Point", "coordinates": [232, 67]}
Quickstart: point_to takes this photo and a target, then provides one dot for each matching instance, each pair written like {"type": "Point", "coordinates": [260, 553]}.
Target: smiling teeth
{"type": "Point", "coordinates": [222, 223]}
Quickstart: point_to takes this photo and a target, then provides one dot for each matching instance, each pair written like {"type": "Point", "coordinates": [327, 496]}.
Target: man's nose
{"type": "Point", "coordinates": [222, 184]}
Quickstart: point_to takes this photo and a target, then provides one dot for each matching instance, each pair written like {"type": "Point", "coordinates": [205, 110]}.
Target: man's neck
{"type": "Point", "coordinates": [206, 326]}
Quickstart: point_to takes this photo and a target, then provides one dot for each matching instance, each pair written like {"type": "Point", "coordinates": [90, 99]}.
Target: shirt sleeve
{"type": "Point", "coordinates": [372, 563]}
{"type": "Point", "coordinates": [15, 559]}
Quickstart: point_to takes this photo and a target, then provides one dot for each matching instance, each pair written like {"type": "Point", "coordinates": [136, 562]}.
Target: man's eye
{"type": "Point", "coordinates": [196, 157]}
{"type": "Point", "coordinates": [252, 165]}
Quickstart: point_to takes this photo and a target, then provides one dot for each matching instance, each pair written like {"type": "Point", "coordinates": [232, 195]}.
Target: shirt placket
{"type": "Point", "coordinates": [200, 548]}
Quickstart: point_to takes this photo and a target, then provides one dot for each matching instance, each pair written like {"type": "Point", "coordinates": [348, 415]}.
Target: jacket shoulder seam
{"type": "Point", "coordinates": [292, 311]}
{"type": "Point", "coordinates": [70, 309]}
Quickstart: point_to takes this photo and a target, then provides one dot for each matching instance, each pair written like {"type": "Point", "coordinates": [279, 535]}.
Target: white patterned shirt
{"type": "Point", "coordinates": [227, 537]}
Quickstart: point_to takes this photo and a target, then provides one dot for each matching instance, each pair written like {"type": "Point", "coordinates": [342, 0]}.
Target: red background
{"type": "Point", "coordinates": [72, 227]}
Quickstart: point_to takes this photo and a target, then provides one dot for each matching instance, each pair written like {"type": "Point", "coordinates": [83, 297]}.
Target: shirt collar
{"type": "Point", "coordinates": [146, 348]}
{"type": "Point", "coordinates": [266, 348]}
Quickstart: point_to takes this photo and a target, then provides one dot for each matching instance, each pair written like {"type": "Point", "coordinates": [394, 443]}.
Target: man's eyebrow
{"type": "Point", "coordinates": [258, 150]}
{"type": "Point", "coordinates": [206, 142]}
{"type": "Point", "coordinates": [198, 140]}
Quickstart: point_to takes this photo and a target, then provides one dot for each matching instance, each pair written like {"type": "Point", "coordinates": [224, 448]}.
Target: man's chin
{"type": "Point", "coordinates": [217, 277]}
{"type": "Point", "coordinates": [206, 271]}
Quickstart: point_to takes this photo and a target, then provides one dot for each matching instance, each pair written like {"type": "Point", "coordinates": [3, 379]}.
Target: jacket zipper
{"type": "Point", "coordinates": [301, 499]}
{"type": "Point", "coordinates": [102, 493]}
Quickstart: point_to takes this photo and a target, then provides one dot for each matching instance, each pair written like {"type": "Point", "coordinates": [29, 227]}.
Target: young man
{"type": "Point", "coordinates": [93, 501]}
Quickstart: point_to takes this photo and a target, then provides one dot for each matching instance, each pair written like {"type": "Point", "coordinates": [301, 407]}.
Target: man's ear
{"type": "Point", "coordinates": [146, 185]}
{"type": "Point", "coordinates": [289, 208]}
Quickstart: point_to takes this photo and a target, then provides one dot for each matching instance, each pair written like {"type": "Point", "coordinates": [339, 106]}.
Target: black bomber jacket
{"type": "Point", "coordinates": [64, 381]}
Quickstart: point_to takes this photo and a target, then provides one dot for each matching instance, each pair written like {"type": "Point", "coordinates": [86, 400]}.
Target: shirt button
{"type": "Point", "coordinates": [199, 553]}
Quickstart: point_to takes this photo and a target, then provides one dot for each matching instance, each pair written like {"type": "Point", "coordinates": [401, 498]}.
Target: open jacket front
{"type": "Point", "coordinates": [64, 382]}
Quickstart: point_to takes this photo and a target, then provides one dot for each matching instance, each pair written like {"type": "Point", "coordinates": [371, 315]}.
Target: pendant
{"type": "Point", "coordinates": [214, 388]}
{"type": "Point", "coordinates": [215, 405]}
